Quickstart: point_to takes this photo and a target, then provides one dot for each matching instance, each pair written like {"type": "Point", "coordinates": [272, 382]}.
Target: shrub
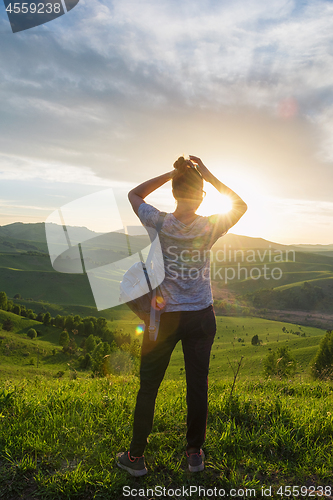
{"type": "Point", "coordinates": [255, 340]}
{"type": "Point", "coordinates": [3, 301]}
{"type": "Point", "coordinates": [17, 309]}
{"type": "Point", "coordinates": [85, 361]}
{"type": "Point", "coordinates": [90, 343]}
{"type": "Point", "coordinates": [32, 333]}
{"type": "Point", "coordinates": [100, 357]}
{"type": "Point", "coordinates": [64, 338]}
{"type": "Point", "coordinates": [279, 363]}
{"type": "Point", "coordinates": [7, 325]}
{"type": "Point", "coordinates": [322, 364]}
{"type": "Point", "coordinates": [47, 319]}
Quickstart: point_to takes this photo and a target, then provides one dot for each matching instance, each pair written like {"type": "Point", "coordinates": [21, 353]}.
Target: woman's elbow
{"type": "Point", "coordinates": [130, 194]}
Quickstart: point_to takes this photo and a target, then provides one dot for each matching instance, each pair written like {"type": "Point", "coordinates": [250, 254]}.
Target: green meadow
{"type": "Point", "coordinates": [61, 426]}
{"type": "Point", "coordinates": [60, 434]}
{"type": "Point", "coordinates": [232, 343]}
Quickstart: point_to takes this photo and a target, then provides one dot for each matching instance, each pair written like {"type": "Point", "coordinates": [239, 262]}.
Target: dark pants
{"type": "Point", "coordinates": [196, 330]}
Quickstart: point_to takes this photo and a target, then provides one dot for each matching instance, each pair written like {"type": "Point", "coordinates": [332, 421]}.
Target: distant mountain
{"type": "Point", "coordinates": [25, 264]}
{"type": "Point", "coordinates": [238, 241]}
{"type": "Point", "coordinates": [33, 234]}
{"type": "Point", "coordinates": [36, 231]}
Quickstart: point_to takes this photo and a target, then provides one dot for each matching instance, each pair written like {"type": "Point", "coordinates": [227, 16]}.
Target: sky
{"type": "Point", "coordinates": [110, 94]}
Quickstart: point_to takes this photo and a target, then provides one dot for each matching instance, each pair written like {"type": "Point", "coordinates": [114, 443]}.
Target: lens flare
{"type": "Point", "coordinates": [158, 302]}
{"type": "Point", "coordinates": [139, 330]}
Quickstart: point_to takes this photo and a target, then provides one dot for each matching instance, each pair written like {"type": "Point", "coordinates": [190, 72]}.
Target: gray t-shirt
{"type": "Point", "coordinates": [186, 254]}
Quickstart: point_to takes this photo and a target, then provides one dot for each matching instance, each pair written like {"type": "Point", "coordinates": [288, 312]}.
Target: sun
{"type": "Point", "coordinates": [258, 219]}
{"type": "Point", "coordinates": [214, 202]}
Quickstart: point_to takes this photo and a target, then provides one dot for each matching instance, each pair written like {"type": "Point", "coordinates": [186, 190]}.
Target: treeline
{"type": "Point", "coordinates": [20, 310]}
{"type": "Point", "coordinates": [82, 326]}
{"type": "Point", "coordinates": [305, 298]}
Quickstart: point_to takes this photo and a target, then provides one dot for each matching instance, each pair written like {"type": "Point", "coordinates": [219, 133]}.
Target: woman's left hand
{"type": "Point", "coordinates": [201, 167]}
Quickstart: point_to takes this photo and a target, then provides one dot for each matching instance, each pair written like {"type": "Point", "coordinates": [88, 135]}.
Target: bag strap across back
{"type": "Point", "coordinates": [155, 313]}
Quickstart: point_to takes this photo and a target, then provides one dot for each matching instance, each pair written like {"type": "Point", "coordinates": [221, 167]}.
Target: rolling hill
{"type": "Point", "coordinates": [240, 265]}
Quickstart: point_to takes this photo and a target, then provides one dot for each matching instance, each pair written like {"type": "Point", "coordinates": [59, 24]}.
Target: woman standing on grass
{"type": "Point", "coordinates": [186, 239]}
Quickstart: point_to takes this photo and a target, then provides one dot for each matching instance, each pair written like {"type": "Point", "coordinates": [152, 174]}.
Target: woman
{"type": "Point", "coordinates": [186, 239]}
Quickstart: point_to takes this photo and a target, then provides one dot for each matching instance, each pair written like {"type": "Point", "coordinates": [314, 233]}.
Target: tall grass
{"type": "Point", "coordinates": [59, 438]}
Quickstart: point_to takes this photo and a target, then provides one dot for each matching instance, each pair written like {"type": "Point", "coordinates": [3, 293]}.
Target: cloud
{"type": "Point", "coordinates": [116, 90]}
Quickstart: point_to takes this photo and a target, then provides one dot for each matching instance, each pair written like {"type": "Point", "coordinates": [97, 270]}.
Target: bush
{"type": "Point", "coordinates": [47, 319]}
{"type": "Point", "coordinates": [64, 338]}
{"type": "Point", "coordinates": [90, 343]}
{"type": "Point", "coordinates": [322, 364]}
{"type": "Point", "coordinates": [3, 301]}
{"type": "Point", "coordinates": [32, 333]}
{"type": "Point", "coordinates": [7, 325]}
{"type": "Point", "coordinates": [100, 357]}
{"type": "Point", "coordinates": [279, 363]}
{"type": "Point", "coordinates": [255, 340]}
{"type": "Point", "coordinates": [85, 361]}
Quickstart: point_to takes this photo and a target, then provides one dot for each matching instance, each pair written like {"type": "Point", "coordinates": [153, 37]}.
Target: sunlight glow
{"type": "Point", "coordinates": [214, 202]}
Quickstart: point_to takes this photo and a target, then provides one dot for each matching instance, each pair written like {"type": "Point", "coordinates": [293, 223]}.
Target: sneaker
{"type": "Point", "coordinates": [196, 461]}
{"type": "Point", "coordinates": [134, 465]}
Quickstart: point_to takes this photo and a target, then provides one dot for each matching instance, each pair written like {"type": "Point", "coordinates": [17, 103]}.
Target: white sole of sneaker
{"type": "Point", "coordinates": [196, 468]}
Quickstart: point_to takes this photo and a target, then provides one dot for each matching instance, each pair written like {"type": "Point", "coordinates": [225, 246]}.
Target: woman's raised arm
{"type": "Point", "coordinates": [136, 195]}
{"type": "Point", "coordinates": [239, 206]}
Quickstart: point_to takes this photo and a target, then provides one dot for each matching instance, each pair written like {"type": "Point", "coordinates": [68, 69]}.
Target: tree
{"type": "Point", "coordinates": [90, 343]}
{"type": "Point", "coordinates": [280, 363]}
{"type": "Point", "coordinates": [101, 325]}
{"type": "Point", "coordinates": [59, 321]}
{"type": "Point", "coordinates": [89, 328]}
{"type": "Point", "coordinates": [3, 301]}
{"type": "Point", "coordinates": [17, 309]}
{"type": "Point", "coordinates": [8, 325]}
{"type": "Point", "coordinates": [255, 340]}
{"type": "Point", "coordinates": [32, 333]}
{"type": "Point", "coordinates": [101, 358]}
{"type": "Point", "coordinates": [23, 311]}
{"type": "Point", "coordinates": [10, 306]}
{"type": "Point", "coordinates": [47, 319]}
{"type": "Point", "coordinates": [322, 364]}
{"type": "Point", "coordinates": [40, 317]}
{"type": "Point", "coordinates": [69, 323]}
{"type": "Point", "coordinates": [80, 328]}
{"type": "Point", "coordinates": [86, 361]}
{"type": "Point", "coordinates": [31, 314]}
{"type": "Point", "coordinates": [64, 338]}
{"type": "Point", "coordinates": [17, 296]}
{"type": "Point", "coordinates": [71, 347]}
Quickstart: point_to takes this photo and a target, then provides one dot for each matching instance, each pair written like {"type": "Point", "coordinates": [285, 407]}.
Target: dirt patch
{"type": "Point", "coordinates": [305, 318]}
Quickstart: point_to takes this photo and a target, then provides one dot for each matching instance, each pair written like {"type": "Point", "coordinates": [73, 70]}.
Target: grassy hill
{"type": "Point", "coordinates": [34, 277]}
{"type": "Point", "coordinates": [240, 266]}
{"type": "Point", "coordinates": [232, 341]}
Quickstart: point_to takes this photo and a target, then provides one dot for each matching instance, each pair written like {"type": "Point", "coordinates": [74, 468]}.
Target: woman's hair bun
{"type": "Point", "coordinates": [181, 165]}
